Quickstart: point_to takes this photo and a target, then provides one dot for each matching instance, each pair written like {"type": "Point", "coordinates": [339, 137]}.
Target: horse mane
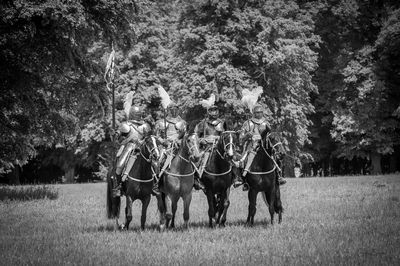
{"type": "Point", "coordinates": [264, 133]}
{"type": "Point", "coordinates": [191, 126]}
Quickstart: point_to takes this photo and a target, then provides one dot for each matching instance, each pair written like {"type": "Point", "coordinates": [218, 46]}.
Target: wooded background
{"type": "Point", "coordinates": [329, 71]}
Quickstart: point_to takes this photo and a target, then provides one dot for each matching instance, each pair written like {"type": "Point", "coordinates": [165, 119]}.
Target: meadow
{"type": "Point", "coordinates": [339, 220]}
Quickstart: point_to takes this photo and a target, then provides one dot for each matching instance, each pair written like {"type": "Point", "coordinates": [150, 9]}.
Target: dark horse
{"type": "Point", "coordinates": [261, 177]}
{"type": "Point", "coordinates": [217, 177]}
{"type": "Point", "coordinates": [138, 184]}
{"type": "Point", "coordinates": [177, 181]}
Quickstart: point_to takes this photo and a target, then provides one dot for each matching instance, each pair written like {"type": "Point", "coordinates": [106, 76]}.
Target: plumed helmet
{"type": "Point", "coordinates": [257, 108]}
{"type": "Point", "coordinates": [124, 128]}
{"type": "Point", "coordinates": [136, 113]}
{"type": "Point", "coordinates": [213, 111]}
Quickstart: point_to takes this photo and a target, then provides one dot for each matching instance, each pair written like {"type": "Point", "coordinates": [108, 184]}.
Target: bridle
{"type": "Point", "coordinates": [223, 156]}
{"type": "Point", "coordinates": [263, 144]}
{"type": "Point", "coordinates": [150, 150]}
{"type": "Point", "coordinates": [230, 143]}
{"type": "Point", "coordinates": [188, 160]}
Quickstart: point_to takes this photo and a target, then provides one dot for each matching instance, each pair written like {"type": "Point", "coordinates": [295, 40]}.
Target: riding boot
{"type": "Point", "coordinates": [250, 158]}
{"type": "Point", "coordinates": [116, 186]}
{"type": "Point", "coordinates": [156, 180]}
{"type": "Point", "coordinates": [237, 179]}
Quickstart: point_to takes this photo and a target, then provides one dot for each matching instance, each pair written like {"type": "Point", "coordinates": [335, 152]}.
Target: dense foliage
{"type": "Point", "coordinates": [329, 72]}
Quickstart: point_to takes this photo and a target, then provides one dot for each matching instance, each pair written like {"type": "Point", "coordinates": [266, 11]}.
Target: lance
{"type": "Point", "coordinates": [109, 78]}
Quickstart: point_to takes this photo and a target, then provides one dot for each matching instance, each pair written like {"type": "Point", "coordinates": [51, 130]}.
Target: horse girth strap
{"type": "Point", "coordinates": [141, 180]}
{"type": "Point", "coordinates": [263, 173]}
{"type": "Point", "coordinates": [180, 175]}
{"type": "Point", "coordinates": [219, 174]}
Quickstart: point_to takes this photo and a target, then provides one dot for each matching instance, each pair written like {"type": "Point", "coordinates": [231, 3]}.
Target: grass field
{"type": "Point", "coordinates": [342, 220]}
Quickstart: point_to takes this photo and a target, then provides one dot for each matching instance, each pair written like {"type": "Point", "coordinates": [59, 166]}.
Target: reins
{"type": "Point", "coordinates": [149, 159]}
{"type": "Point", "coordinates": [269, 156]}
{"type": "Point", "coordinates": [222, 156]}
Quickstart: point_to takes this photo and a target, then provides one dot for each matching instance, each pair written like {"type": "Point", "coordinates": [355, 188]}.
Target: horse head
{"type": "Point", "coordinates": [150, 151]}
{"type": "Point", "coordinates": [226, 144]}
{"type": "Point", "coordinates": [266, 143]}
{"type": "Point", "coordinates": [193, 144]}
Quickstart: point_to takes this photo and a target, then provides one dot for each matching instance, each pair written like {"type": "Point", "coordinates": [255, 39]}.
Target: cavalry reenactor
{"type": "Point", "coordinates": [170, 132]}
{"type": "Point", "coordinates": [131, 135]}
{"type": "Point", "coordinates": [251, 135]}
{"type": "Point", "coordinates": [209, 130]}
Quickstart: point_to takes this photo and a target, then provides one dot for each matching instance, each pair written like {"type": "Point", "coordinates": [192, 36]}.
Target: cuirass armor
{"type": "Point", "coordinates": [257, 126]}
{"type": "Point", "coordinates": [213, 128]}
{"type": "Point", "coordinates": [171, 127]}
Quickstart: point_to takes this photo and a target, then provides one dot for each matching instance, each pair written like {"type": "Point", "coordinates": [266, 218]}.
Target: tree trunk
{"type": "Point", "coordinates": [392, 163]}
{"type": "Point", "coordinates": [70, 174]}
{"type": "Point", "coordinates": [376, 163]}
{"type": "Point", "coordinates": [14, 176]}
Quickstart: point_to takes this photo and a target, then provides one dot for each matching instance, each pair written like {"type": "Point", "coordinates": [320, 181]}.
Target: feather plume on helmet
{"type": "Point", "coordinates": [209, 102]}
{"type": "Point", "coordinates": [249, 98]}
{"type": "Point", "coordinates": [165, 99]}
{"type": "Point", "coordinates": [128, 103]}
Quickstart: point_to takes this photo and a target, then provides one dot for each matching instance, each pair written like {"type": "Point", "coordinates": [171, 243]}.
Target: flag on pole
{"type": "Point", "coordinates": [109, 73]}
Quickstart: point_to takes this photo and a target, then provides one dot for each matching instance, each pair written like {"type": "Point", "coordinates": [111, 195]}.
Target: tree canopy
{"type": "Point", "coordinates": [329, 71]}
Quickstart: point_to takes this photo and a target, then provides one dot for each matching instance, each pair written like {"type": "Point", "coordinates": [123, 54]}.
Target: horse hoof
{"type": "Point", "coordinates": [121, 227]}
{"type": "Point", "coordinates": [162, 227]}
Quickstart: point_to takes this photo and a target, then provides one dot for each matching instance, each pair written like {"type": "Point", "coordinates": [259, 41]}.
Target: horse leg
{"type": "Point", "coordinates": [128, 213]}
{"type": "Point", "coordinates": [211, 207]}
{"type": "Point", "coordinates": [186, 203]}
{"type": "Point", "coordinates": [218, 208]}
{"type": "Point", "coordinates": [174, 207]}
{"type": "Point", "coordinates": [252, 206]}
{"type": "Point", "coordinates": [168, 211]}
{"type": "Point", "coordinates": [145, 204]}
{"type": "Point", "coordinates": [278, 204]}
{"type": "Point", "coordinates": [270, 195]}
{"type": "Point", "coordinates": [226, 204]}
{"type": "Point", "coordinates": [161, 211]}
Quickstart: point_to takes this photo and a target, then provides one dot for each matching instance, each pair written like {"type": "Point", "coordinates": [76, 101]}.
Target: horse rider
{"type": "Point", "coordinates": [209, 130]}
{"type": "Point", "coordinates": [131, 135]}
{"type": "Point", "coordinates": [250, 135]}
{"type": "Point", "coordinates": [170, 132]}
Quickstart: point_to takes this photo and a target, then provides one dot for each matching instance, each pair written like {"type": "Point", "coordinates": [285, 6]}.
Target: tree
{"type": "Point", "coordinates": [49, 60]}
{"type": "Point", "coordinates": [226, 46]}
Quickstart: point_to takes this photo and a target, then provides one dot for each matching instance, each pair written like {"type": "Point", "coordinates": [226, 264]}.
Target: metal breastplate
{"type": "Point", "coordinates": [211, 128]}
{"type": "Point", "coordinates": [257, 126]}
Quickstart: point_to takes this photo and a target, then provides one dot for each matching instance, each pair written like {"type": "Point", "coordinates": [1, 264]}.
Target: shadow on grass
{"type": "Point", "coordinates": [154, 227]}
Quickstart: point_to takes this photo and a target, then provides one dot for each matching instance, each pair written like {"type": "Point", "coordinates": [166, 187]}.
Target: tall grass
{"type": "Point", "coordinates": [327, 221]}
{"type": "Point", "coordinates": [26, 193]}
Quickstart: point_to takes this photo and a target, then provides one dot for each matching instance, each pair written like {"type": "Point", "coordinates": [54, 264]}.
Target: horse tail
{"type": "Point", "coordinates": [264, 196]}
{"type": "Point", "coordinates": [113, 204]}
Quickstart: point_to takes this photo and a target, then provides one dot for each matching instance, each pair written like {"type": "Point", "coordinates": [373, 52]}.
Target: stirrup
{"type": "Point", "coordinates": [245, 187]}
